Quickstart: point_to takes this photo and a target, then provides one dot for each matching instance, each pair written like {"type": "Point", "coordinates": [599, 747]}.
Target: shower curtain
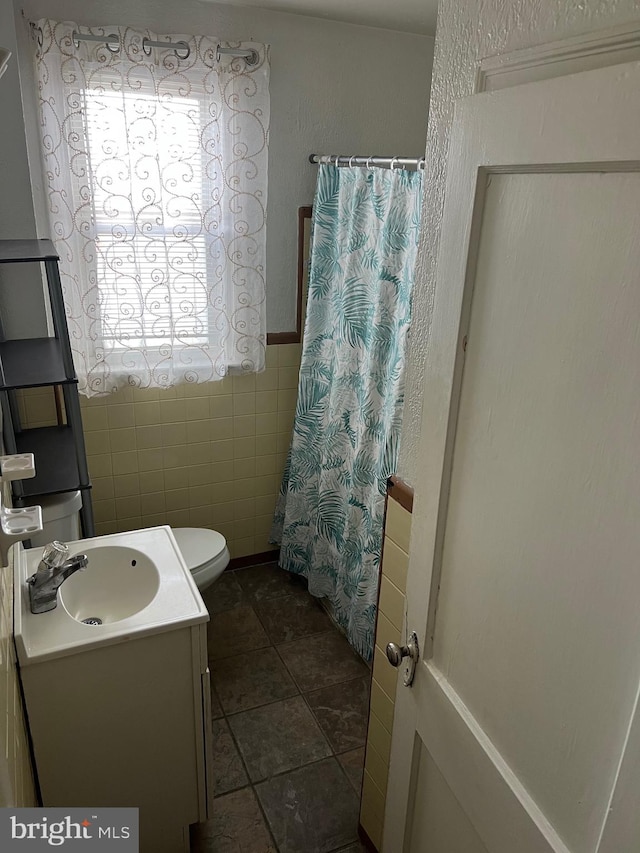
{"type": "Point", "coordinates": [329, 514]}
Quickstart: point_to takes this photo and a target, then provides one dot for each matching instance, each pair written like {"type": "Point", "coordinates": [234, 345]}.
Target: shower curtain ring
{"type": "Point", "coordinates": [351, 161]}
{"type": "Point", "coordinates": [369, 159]}
{"type": "Point", "coordinates": [394, 160]}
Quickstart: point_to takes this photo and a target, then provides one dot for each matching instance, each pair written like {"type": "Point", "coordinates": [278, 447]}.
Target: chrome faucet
{"type": "Point", "coordinates": [53, 570]}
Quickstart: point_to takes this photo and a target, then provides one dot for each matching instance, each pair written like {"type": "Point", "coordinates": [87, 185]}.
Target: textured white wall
{"type": "Point", "coordinates": [467, 33]}
{"type": "Point", "coordinates": [20, 286]}
{"type": "Point", "coordinates": [335, 88]}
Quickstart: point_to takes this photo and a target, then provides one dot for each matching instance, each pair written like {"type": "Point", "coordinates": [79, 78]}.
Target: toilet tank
{"type": "Point", "coordinates": [60, 518]}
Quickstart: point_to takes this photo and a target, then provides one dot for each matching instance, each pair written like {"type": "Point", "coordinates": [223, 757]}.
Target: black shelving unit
{"type": "Point", "coordinates": [60, 457]}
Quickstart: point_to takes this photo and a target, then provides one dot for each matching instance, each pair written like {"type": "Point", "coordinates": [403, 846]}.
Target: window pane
{"type": "Point", "coordinates": [147, 166]}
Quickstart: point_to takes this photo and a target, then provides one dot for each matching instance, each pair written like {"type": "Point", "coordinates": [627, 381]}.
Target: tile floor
{"type": "Point", "coordinates": [290, 701]}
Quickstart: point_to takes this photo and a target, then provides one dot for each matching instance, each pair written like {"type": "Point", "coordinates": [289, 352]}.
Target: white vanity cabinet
{"type": "Point", "coordinates": [116, 684]}
{"type": "Point", "coordinates": [127, 725]}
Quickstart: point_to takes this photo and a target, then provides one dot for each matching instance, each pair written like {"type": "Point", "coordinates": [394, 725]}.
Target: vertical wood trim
{"type": "Point", "coordinates": [304, 213]}
{"type": "Point", "coordinates": [295, 336]}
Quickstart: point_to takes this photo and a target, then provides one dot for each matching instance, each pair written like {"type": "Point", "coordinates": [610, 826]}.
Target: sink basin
{"type": "Point", "coordinates": [117, 583]}
{"type": "Point", "coordinates": [135, 584]}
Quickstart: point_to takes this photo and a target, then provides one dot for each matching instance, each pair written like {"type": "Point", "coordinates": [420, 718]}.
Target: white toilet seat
{"type": "Point", "coordinates": [204, 551]}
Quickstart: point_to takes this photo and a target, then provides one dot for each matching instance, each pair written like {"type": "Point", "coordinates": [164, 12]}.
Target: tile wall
{"type": "Point", "coordinates": [391, 607]}
{"type": "Point", "coordinates": [16, 778]}
{"type": "Point", "coordinates": [207, 455]}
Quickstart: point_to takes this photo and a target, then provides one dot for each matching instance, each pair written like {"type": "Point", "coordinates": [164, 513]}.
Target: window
{"type": "Point", "coordinates": [156, 172]}
{"type": "Point", "coordinates": [150, 243]}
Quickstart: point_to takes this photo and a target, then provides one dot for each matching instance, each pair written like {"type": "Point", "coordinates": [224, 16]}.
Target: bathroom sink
{"type": "Point", "coordinates": [117, 583]}
{"type": "Point", "coordinates": [135, 584]}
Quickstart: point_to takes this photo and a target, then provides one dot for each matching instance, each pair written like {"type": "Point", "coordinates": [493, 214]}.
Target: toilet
{"type": "Point", "coordinates": [204, 551]}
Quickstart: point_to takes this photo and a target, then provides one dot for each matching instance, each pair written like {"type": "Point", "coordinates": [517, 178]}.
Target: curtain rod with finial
{"type": "Point", "coordinates": [112, 41]}
{"type": "Point", "coordinates": [357, 160]}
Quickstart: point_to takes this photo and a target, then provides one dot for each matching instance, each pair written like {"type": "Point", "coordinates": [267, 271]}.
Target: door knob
{"type": "Point", "coordinates": [396, 654]}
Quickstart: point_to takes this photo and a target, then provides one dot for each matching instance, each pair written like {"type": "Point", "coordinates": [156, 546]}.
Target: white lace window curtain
{"type": "Point", "coordinates": [155, 171]}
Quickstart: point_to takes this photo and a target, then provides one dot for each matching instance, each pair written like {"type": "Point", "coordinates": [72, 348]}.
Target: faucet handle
{"type": "Point", "coordinates": [54, 555]}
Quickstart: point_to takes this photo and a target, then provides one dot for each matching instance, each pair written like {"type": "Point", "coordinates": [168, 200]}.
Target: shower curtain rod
{"type": "Point", "coordinates": [357, 160]}
{"type": "Point", "coordinates": [112, 41]}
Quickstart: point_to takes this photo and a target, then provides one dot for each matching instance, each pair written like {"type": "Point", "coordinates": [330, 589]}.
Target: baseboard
{"type": "Point", "coordinates": [253, 559]}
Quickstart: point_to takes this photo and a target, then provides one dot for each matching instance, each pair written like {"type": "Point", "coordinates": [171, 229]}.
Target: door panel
{"type": "Point", "coordinates": [523, 582]}
{"type": "Point", "coordinates": [538, 589]}
{"type": "Point", "coordinates": [442, 826]}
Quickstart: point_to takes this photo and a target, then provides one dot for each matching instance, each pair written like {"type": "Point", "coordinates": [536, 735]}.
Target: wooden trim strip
{"type": "Point", "coordinates": [555, 59]}
{"type": "Point", "coordinates": [253, 560]}
{"type": "Point", "coordinates": [294, 337]}
{"type": "Point", "coordinates": [275, 338]}
{"type": "Point", "coordinates": [304, 213]}
{"type": "Point", "coordinates": [400, 492]}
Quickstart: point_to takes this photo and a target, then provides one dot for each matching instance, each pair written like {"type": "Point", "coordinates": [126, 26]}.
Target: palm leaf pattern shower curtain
{"type": "Point", "coordinates": [329, 515]}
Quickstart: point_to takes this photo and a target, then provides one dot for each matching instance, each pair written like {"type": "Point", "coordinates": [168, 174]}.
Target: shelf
{"type": "Point", "coordinates": [59, 451]}
{"type": "Point", "coordinates": [23, 251]}
{"type": "Point", "coordinates": [32, 363]}
{"type": "Point", "coordinates": [55, 456]}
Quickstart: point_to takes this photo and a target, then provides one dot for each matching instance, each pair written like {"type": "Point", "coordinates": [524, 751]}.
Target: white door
{"type": "Point", "coordinates": [521, 732]}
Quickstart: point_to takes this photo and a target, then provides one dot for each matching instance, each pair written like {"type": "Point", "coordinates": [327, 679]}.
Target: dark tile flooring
{"type": "Point", "coordinates": [290, 701]}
